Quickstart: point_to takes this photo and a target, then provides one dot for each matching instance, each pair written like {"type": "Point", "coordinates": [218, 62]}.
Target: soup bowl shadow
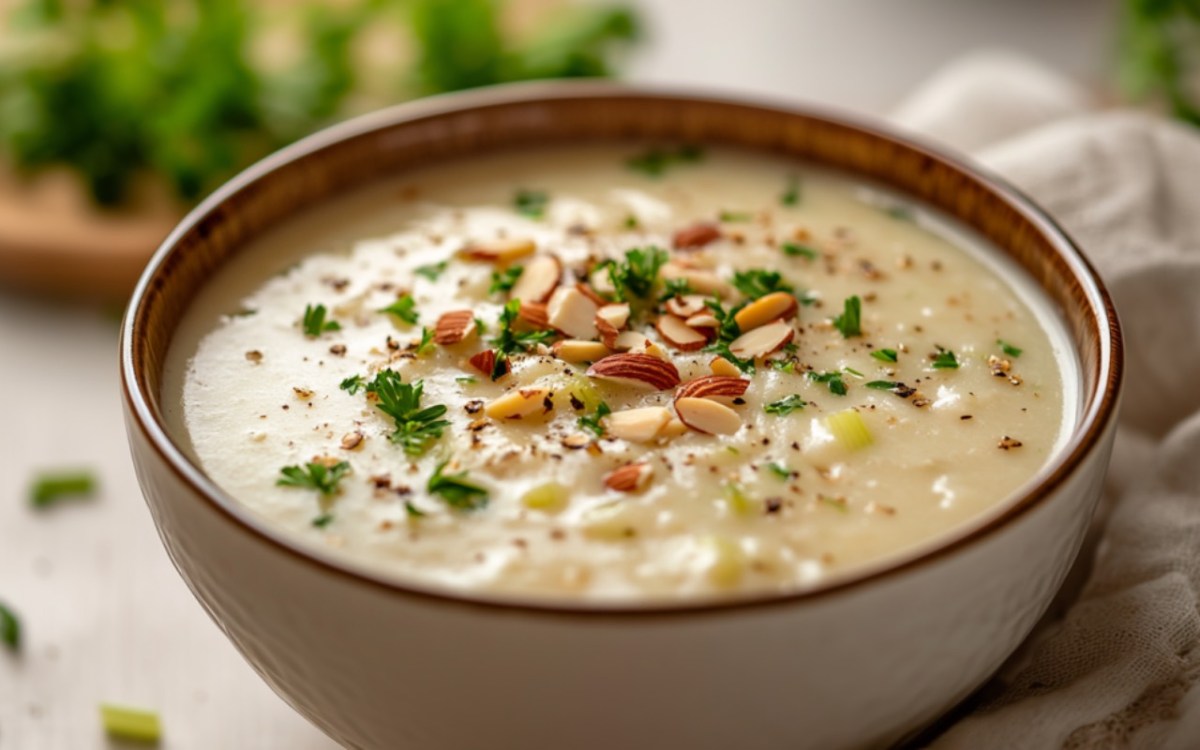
{"type": "Point", "coordinates": [861, 660]}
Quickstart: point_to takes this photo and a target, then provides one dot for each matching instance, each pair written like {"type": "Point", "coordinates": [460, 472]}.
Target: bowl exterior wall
{"type": "Point", "coordinates": [375, 668]}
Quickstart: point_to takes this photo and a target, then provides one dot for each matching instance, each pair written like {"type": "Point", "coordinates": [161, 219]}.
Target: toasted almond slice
{"type": "Point", "coordinates": [673, 429]}
{"type": "Point", "coordinates": [654, 350]}
{"type": "Point", "coordinates": [500, 251]}
{"type": "Point", "coordinates": [676, 333]}
{"type": "Point", "coordinates": [706, 416]}
{"type": "Point", "coordinates": [454, 327]}
{"type": "Point", "coordinates": [631, 341]}
{"type": "Point", "coordinates": [703, 320]}
{"type": "Point", "coordinates": [539, 279]}
{"type": "Point", "coordinates": [774, 306]}
{"type": "Point", "coordinates": [696, 236]}
{"type": "Point", "coordinates": [687, 305]}
{"type": "Point", "coordinates": [636, 370]}
{"type": "Point", "coordinates": [521, 403]}
{"type": "Point", "coordinates": [616, 314]}
{"type": "Point", "coordinates": [763, 340]}
{"type": "Point", "coordinates": [713, 386]}
{"type": "Point", "coordinates": [722, 366]}
{"type": "Point", "coordinates": [570, 311]}
{"type": "Point", "coordinates": [485, 361]}
{"type": "Point", "coordinates": [629, 478]}
{"type": "Point", "coordinates": [638, 425]}
{"type": "Point", "coordinates": [577, 350]}
{"type": "Point", "coordinates": [700, 280]}
{"type": "Point", "coordinates": [600, 281]}
{"type": "Point", "coordinates": [591, 294]}
{"type": "Point", "coordinates": [534, 314]}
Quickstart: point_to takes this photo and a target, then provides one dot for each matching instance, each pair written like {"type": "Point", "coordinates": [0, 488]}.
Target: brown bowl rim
{"type": "Point", "coordinates": [1094, 419]}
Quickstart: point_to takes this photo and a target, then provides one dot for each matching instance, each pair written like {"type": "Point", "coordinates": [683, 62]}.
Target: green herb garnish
{"type": "Point", "coordinates": [944, 359]}
{"type": "Point", "coordinates": [315, 323]}
{"type": "Point", "coordinates": [416, 427]}
{"type": "Point", "coordinates": [785, 406]}
{"type": "Point", "coordinates": [504, 281]}
{"type": "Point", "coordinates": [850, 321]}
{"type": "Point", "coordinates": [784, 365]}
{"type": "Point", "coordinates": [413, 511]}
{"type": "Point", "coordinates": [426, 344]}
{"type": "Point", "coordinates": [735, 217]}
{"type": "Point", "coordinates": [49, 488]}
{"type": "Point", "coordinates": [883, 385]}
{"type": "Point", "coordinates": [795, 249]}
{"type": "Point", "coordinates": [353, 384]}
{"type": "Point", "coordinates": [757, 283]}
{"type": "Point", "coordinates": [432, 271]}
{"type": "Point", "coordinates": [655, 161]}
{"type": "Point", "coordinates": [510, 341]}
{"type": "Point", "coordinates": [133, 724]}
{"type": "Point", "coordinates": [885, 355]}
{"type": "Point", "coordinates": [456, 490]}
{"type": "Point", "coordinates": [674, 288]}
{"type": "Point", "coordinates": [833, 380]}
{"type": "Point", "coordinates": [636, 276]}
{"type": "Point", "coordinates": [791, 194]}
{"type": "Point", "coordinates": [323, 520]}
{"type": "Point", "coordinates": [781, 471]}
{"type": "Point", "coordinates": [466, 380]}
{"type": "Point", "coordinates": [10, 629]}
{"type": "Point", "coordinates": [727, 332]}
{"type": "Point", "coordinates": [531, 203]}
{"type": "Point", "coordinates": [594, 421]}
{"type": "Point", "coordinates": [404, 308]}
{"type": "Point", "coordinates": [1008, 348]}
{"type": "Point", "coordinates": [631, 222]}
{"type": "Point", "coordinates": [314, 475]}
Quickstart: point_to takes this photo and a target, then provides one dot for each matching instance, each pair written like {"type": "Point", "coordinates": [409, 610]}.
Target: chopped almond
{"type": "Point", "coordinates": [534, 314]}
{"type": "Point", "coordinates": [687, 305]}
{"type": "Point", "coordinates": [703, 320]}
{"type": "Point", "coordinates": [576, 350]}
{"type": "Point", "coordinates": [637, 370]}
{"type": "Point", "coordinates": [539, 279]}
{"type": "Point", "coordinates": [713, 386]}
{"type": "Point", "coordinates": [677, 333]}
{"type": "Point", "coordinates": [501, 251]}
{"type": "Point", "coordinates": [638, 425]}
{"type": "Point", "coordinates": [485, 362]}
{"type": "Point", "coordinates": [763, 340]}
{"type": "Point", "coordinates": [454, 327]}
{"type": "Point", "coordinates": [707, 416]}
{"type": "Point", "coordinates": [571, 312]}
{"type": "Point", "coordinates": [696, 236]}
{"type": "Point", "coordinates": [520, 404]}
{"type": "Point", "coordinates": [629, 478]}
{"type": "Point", "coordinates": [722, 366]}
{"type": "Point", "coordinates": [771, 307]}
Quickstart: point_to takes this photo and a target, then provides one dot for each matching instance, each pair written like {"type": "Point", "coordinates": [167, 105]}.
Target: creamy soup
{"type": "Point", "coordinates": [619, 374]}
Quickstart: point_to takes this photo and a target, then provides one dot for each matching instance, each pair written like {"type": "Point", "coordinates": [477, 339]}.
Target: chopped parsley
{"type": "Point", "coordinates": [638, 273]}
{"type": "Point", "coordinates": [674, 288]}
{"type": "Point", "coordinates": [631, 222]}
{"type": "Point", "coordinates": [133, 724]}
{"type": "Point", "coordinates": [315, 323]}
{"type": "Point", "coordinates": [883, 385]}
{"type": "Point", "coordinates": [49, 488]}
{"type": "Point", "coordinates": [456, 490]}
{"type": "Point", "coordinates": [404, 308]}
{"type": "Point", "coordinates": [757, 283]}
{"type": "Point", "coordinates": [1008, 348]}
{"type": "Point", "coordinates": [655, 161]}
{"type": "Point", "coordinates": [353, 384]}
{"type": "Point", "coordinates": [432, 271]}
{"type": "Point", "coordinates": [593, 422]}
{"type": "Point", "coordinates": [531, 203]}
{"type": "Point", "coordinates": [314, 475]}
{"type": "Point", "coordinates": [466, 380]}
{"type": "Point", "coordinates": [795, 249]}
{"type": "Point", "coordinates": [323, 520]}
{"type": "Point", "coordinates": [413, 511]}
{"type": "Point", "coordinates": [885, 355]}
{"type": "Point", "coordinates": [426, 344]}
{"type": "Point", "coordinates": [10, 629]}
{"type": "Point", "coordinates": [785, 406]}
{"type": "Point", "coordinates": [504, 281]}
{"type": "Point", "coordinates": [416, 427]}
{"type": "Point", "coordinates": [791, 194]}
{"type": "Point", "coordinates": [944, 359]}
{"type": "Point", "coordinates": [833, 380]}
{"type": "Point", "coordinates": [735, 217]}
{"type": "Point", "coordinates": [727, 331]}
{"type": "Point", "coordinates": [784, 365]}
{"type": "Point", "coordinates": [781, 471]}
{"type": "Point", "coordinates": [510, 341]}
{"type": "Point", "coordinates": [850, 321]}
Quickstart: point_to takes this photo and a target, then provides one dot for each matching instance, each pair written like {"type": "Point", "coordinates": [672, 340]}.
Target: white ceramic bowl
{"type": "Point", "coordinates": [860, 661]}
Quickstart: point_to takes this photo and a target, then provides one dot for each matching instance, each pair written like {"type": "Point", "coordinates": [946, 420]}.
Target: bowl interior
{"type": "Point", "coordinates": [390, 142]}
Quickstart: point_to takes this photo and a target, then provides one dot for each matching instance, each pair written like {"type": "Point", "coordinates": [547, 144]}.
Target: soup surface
{"type": "Point", "coordinates": [725, 374]}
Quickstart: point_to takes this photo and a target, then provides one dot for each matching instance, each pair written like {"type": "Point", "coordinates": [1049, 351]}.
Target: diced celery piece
{"type": "Point", "coordinates": [849, 429]}
{"type": "Point", "coordinates": [609, 522]}
{"type": "Point", "coordinates": [735, 497]}
{"type": "Point", "coordinates": [582, 389]}
{"type": "Point", "coordinates": [124, 723]}
{"type": "Point", "coordinates": [549, 497]}
{"type": "Point", "coordinates": [727, 563]}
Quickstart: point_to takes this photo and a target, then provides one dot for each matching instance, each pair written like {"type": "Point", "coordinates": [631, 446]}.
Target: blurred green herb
{"type": "Point", "coordinates": [314, 475]}
{"type": "Point", "coordinates": [314, 322]}
{"type": "Point", "coordinates": [404, 308]}
{"type": "Point", "coordinates": [1159, 52]}
{"type": "Point", "coordinates": [531, 203]}
{"type": "Point", "coordinates": [456, 490]}
{"type": "Point", "coordinates": [49, 488]}
{"type": "Point", "coordinates": [10, 629]}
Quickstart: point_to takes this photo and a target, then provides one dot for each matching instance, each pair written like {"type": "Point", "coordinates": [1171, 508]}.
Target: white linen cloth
{"type": "Point", "coordinates": [1119, 667]}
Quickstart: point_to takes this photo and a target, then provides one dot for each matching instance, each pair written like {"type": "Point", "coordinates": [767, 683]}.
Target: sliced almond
{"type": "Point", "coordinates": [654, 350]}
{"type": "Point", "coordinates": [699, 280]}
{"type": "Point", "coordinates": [485, 362]}
{"type": "Point", "coordinates": [673, 429]}
{"type": "Point", "coordinates": [696, 236]}
{"type": "Point", "coordinates": [500, 251]}
{"type": "Point", "coordinates": [703, 320]}
{"type": "Point", "coordinates": [600, 281]}
{"type": "Point", "coordinates": [539, 279]}
{"type": "Point", "coordinates": [629, 478]}
{"type": "Point", "coordinates": [520, 404]}
{"type": "Point", "coordinates": [774, 306]}
{"type": "Point", "coordinates": [638, 425]}
{"type": "Point", "coordinates": [534, 314]}
{"type": "Point", "coordinates": [722, 366]}
{"type": "Point", "coordinates": [591, 294]}
{"type": "Point", "coordinates": [707, 416]}
{"type": "Point", "coordinates": [577, 350]}
{"type": "Point", "coordinates": [763, 340]}
{"type": "Point", "coordinates": [676, 333]}
{"type": "Point", "coordinates": [454, 327]}
{"type": "Point", "coordinates": [570, 311]}
{"type": "Point", "coordinates": [616, 314]}
{"type": "Point", "coordinates": [687, 305]}
{"type": "Point", "coordinates": [713, 386]}
{"type": "Point", "coordinates": [629, 341]}
{"type": "Point", "coordinates": [636, 370]}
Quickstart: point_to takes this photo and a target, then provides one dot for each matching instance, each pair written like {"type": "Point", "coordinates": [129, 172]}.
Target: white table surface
{"type": "Point", "coordinates": [105, 616]}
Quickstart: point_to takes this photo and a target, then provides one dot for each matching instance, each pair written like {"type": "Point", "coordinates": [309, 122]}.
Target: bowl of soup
{"type": "Point", "coordinates": [566, 415]}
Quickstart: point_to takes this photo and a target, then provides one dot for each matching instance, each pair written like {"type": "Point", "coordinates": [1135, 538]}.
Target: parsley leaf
{"type": "Point", "coordinates": [734, 217]}
{"type": "Point", "coordinates": [785, 406]}
{"type": "Point", "coordinates": [426, 344]}
{"type": "Point", "coordinates": [757, 283]}
{"type": "Point", "coordinates": [727, 331]}
{"type": "Point", "coordinates": [315, 323]}
{"type": "Point", "coordinates": [592, 422]}
{"type": "Point", "coordinates": [850, 321]}
{"type": "Point", "coordinates": [885, 355]}
{"type": "Point", "coordinates": [944, 359]}
{"type": "Point", "coordinates": [416, 427]}
{"type": "Point", "coordinates": [49, 488]}
{"type": "Point", "coordinates": [531, 203]}
{"type": "Point", "coordinates": [883, 385]}
{"type": "Point", "coordinates": [655, 161]}
{"type": "Point", "coordinates": [353, 384]}
{"type": "Point", "coordinates": [456, 490]}
{"type": "Point", "coordinates": [837, 386]}
{"type": "Point", "coordinates": [638, 273]}
{"type": "Point", "coordinates": [781, 471]}
{"type": "Point", "coordinates": [1008, 348]}
{"type": "Point", "coordinates": [404, 308]}
{"type": "Point", "coordinates": [10, 628]}
{"type": "Point", "coordinates": [504, 281]}
{"type": "Point", "coordinates": [791, 194]}
{"type": "Point", "coordinates": [314, 475]}
{"type": "Point", "coordinates": [795, 249]}
{"type": "Point", "coordinates": [432, 271]}
{"type": "Point", "coordinates": [323, 520]}
{"type": "Point", "coordinates": [413, 511]}
{"type": "Point", "coordinates": [674, 288]}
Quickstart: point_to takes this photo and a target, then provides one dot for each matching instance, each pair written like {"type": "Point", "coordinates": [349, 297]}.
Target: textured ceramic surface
{"type": "Point", "coordinates": [378, 664]}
